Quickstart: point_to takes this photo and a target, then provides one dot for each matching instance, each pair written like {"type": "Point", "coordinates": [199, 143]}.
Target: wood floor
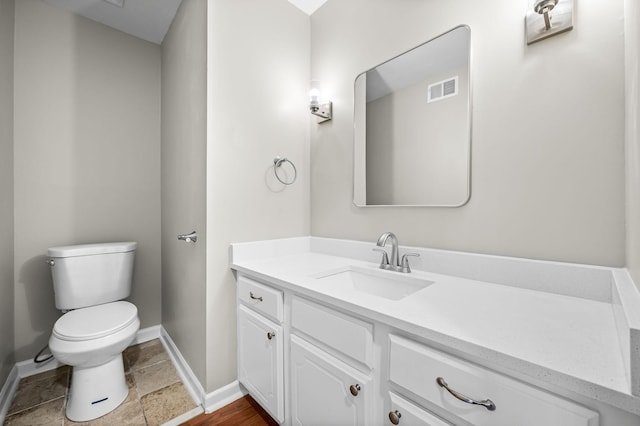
{"type": "Point", "coordinates": [245, 411]}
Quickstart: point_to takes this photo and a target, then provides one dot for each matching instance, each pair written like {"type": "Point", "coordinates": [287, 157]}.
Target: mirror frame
{"type": "Point", "coordinates": [359, 135]}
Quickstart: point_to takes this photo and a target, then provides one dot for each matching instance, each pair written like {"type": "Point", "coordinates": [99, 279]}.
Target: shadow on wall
{"type": "Point", "coordinates": [35, 278]}
{"type": "Point", "coordinates": [6, 366]}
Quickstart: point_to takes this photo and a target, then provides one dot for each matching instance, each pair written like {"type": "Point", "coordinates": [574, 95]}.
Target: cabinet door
{"type": "Point", "coordinates": [260, 360]}
{"type": "Point", "coordinates": [324, 390]}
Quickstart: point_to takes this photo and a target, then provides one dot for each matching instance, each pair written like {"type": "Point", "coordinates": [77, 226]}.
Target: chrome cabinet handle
{"type": "Point", "coordinates": [190, 238]}
{"type": "Point", "coordinates": [271, 335]}
{"type": "Point", "coordinates": [255, 297]}
{"type": "Point", "coordinates": [354, 389]}
{"type": "Point", "coordinates": [394, 417]}
{"type": "Point", "coordinates": [486, 403]}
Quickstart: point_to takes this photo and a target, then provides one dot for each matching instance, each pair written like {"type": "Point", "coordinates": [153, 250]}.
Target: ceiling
{"type": "Point", "coordinates": [308, 6]}
{"type": "Point", "coordinates": [145, 19]}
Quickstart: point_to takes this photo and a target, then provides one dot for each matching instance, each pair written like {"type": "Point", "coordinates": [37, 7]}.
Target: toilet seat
{"type": "Point", "coordinates": [95, 322]}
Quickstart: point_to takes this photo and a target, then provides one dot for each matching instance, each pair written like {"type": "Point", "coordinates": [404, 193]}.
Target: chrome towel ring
{"type": "Point", "coordinates": [278, 162]}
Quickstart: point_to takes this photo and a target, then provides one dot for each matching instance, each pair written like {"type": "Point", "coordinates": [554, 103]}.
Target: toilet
{"type": "Point", "coordinates": [89, 282]}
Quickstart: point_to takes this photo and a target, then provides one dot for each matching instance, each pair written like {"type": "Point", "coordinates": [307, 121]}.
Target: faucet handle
{"type": "Point", "coordinates": [384, 263]}
{"type": "Point", "coordinates": [404, 265]}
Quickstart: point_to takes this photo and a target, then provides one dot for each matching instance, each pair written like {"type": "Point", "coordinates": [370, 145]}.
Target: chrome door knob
{"type": "Point", "coordinates": [354, 389]}
{"type": "Point", "coordinates": [190, 238]}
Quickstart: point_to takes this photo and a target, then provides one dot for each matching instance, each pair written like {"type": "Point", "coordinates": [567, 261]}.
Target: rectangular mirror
{"type": "Point", "coordinates": [413, 126]}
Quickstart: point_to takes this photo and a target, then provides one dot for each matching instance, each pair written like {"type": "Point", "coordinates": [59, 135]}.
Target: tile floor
{"type": "Point", "coordinates": [156, 394]}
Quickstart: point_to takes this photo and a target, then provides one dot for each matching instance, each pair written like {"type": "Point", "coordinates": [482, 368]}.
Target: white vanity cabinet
{"type": "Point", "coordinates": [548, 343]}
{"type": "Point", "coordinates": [261, 344]}
{"type": "Point", "coordinates": [423, 372]}
{"type": "Point", "coordinates": [309, 363]}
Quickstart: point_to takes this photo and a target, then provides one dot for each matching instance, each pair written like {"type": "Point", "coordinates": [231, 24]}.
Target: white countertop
{"type": "Point", "coordinates": [567, 341]}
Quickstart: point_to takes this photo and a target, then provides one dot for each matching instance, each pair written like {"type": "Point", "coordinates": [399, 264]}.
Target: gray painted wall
{"type": "Point", "coordinates": [87, 156]}
{"type": "Point", "coordinates": [632, 62]}
{"type": "Point", "coordinates": [550, 188]}
{"type": "Point", "coordinates": [184, 149]}
{"type": "Point", "coordinates": [257, 85]}
{"type": "Point", "coordinates": [221, 129]}
{"type": "Point", "coordinates": [6, 189]}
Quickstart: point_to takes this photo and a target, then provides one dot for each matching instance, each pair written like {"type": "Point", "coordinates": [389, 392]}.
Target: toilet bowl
{"type": "Point", "coordinates": [92, 340]}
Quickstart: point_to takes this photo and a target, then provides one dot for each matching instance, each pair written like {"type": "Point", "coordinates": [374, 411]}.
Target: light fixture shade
{"type": "Point", "coordinates": [314, 96]}
{"type": "Point", "coordinates": [322, 109]}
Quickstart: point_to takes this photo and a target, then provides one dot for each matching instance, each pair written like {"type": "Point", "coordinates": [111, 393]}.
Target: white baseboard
{"type": "Point", "coordinates": [146, 334]}
{"type": "Point", "coordinates": [7, 392]}
{"type": "Point", "coordinates": [209, 401]}
{"type": "Point", "coordinates": [223, 396]}
{"type": "Point", "coordinates": [29, 368]}
{"type": "Point", "coordinates": [185, 372]}
{"type": "Point", "coordinates": [184, 417]}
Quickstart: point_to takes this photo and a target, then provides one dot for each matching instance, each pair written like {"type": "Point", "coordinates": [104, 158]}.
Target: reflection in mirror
{"type": "Point", "coordinates": [413, 127]}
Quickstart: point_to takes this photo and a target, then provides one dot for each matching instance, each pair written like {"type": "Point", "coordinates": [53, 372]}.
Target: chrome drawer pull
{"type": "Point", "coordinates": [255, 297]}
{"type": "Point", "coordinates": [394, 417]}
{"type": "Point", "coordinates": [486, 403]}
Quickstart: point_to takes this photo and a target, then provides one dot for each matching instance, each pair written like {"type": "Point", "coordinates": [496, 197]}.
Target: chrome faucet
{"type": "Point", "coordinates": [393, 264]}
{"type": "Point", "coordinates": [382, 241]}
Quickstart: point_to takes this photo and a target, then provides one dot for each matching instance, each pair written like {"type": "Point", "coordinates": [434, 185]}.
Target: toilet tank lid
{"type": "Point", "coordinates": [90, 249]}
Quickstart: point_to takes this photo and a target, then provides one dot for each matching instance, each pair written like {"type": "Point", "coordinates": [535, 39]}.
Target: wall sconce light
{"type": "Point", "coordinates": [321, 109]}
{"type": "Point", "coordinates": [546, 18]}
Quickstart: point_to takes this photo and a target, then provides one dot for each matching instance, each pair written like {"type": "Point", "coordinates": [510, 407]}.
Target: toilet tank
{"type": "Point", "coordinates": [91, 274]}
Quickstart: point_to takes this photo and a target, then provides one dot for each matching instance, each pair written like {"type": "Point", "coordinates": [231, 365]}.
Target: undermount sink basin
{"type": "Point", "coordinates": [386, 284]}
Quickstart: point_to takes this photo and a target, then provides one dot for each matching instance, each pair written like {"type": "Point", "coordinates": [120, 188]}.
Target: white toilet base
{"type": "Point", "coordinates": [95, 391]}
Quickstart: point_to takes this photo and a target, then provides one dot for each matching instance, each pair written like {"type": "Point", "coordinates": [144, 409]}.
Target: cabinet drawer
{"type": "Point", "coordinates": [263, 299]}
{"type": "Point", "coordinates": [415, 367]}
{"type": "Point", "coordinates": [347, 335]}
{"type": "Point", "coordinates": [407, 413]}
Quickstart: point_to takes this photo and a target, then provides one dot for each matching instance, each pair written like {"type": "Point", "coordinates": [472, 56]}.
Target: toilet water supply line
{"type": "Point", "coordinates": [39, 361]}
